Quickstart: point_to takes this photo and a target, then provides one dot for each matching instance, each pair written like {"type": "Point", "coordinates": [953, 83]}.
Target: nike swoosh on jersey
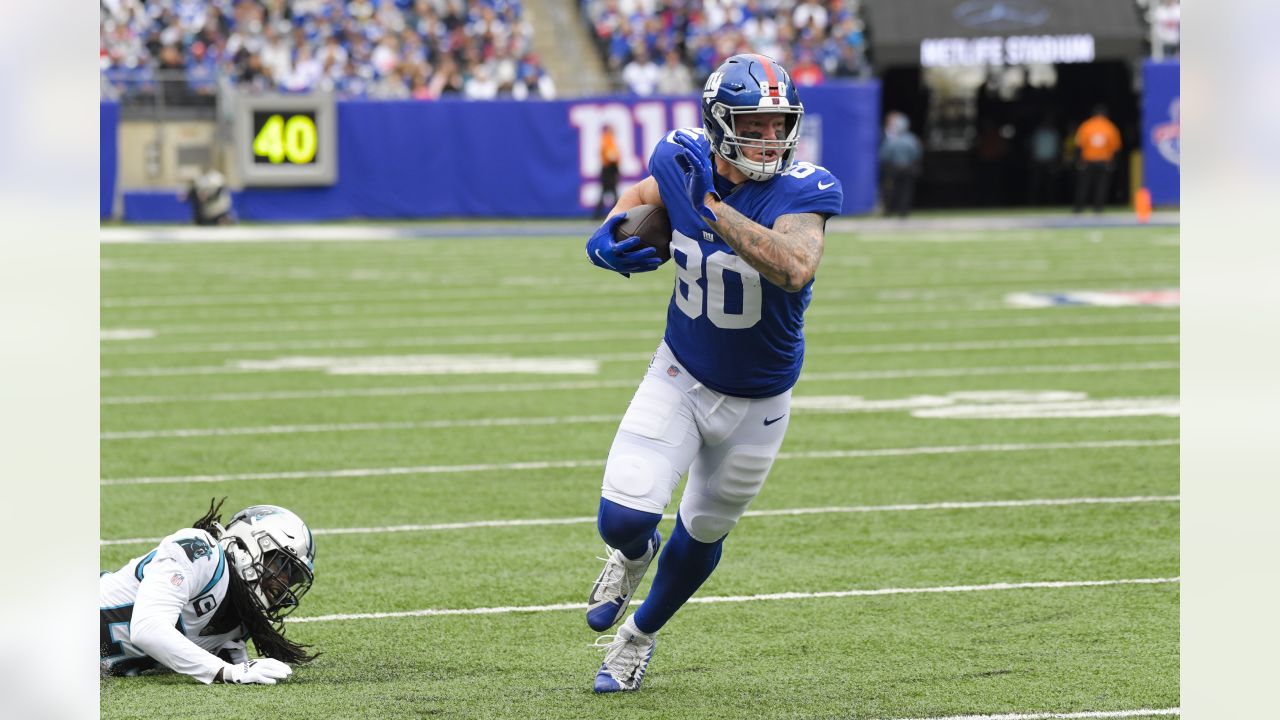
{"type": "Point", "coordinates": [824, 187]}
{"type": "Point", "coordinates": [769, 422]}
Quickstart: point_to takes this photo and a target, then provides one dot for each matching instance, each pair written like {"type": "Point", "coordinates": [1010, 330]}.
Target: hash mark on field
{"type": "Point", "coordinates": [1142, 712]}
{"type": "Point", "coordinates": [631, 383]}
{"type": "Point", "coordinates": [1057, 584]}
{"type": "Point", "coordinates": [536, 522]}
{"type": "Point", "coordinates": [554, 464]}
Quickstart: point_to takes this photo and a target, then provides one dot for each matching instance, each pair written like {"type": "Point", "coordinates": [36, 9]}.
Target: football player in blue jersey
{"type": "Point", "coordinates": [747, 234]}
{"type": "Point", "coordinates": [191, 603]}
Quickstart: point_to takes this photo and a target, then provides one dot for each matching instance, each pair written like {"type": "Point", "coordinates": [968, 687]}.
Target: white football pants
{"type": "Point", "coordinates": [675, 425]}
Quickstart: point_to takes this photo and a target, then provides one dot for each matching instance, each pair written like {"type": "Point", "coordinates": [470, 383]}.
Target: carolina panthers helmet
{"type": "Point", "coordinates": [272, 550]}
{"type": "Point", "coordinates": [743, 85]}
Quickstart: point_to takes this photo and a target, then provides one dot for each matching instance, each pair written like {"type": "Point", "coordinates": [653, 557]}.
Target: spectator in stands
{"type": "Point", "coordinates": [1166, 21]}
{"type": "Point", "coordinates": [277, 56]}
{"type": "Point", "coordinates": [534, 82]}
{"type": "Point", "coordinates": [641, 74]}
{"type": "Point", "coordinates": [390, 87]}
{"type": "Point", "coordinates": [202, 70]}
{"type": "Point", "coordinates": [418, 87]}
{"type": "Point", "coordinates": [306, 74]}
{"type": "Point", "coordinates": [172, 75]}
{"type": "Point", "coordinates": [673, 76]}
{"type": "Point", "coordinates": [356, 44]}
{"type": "Point", "coordinates": [1097, 142]}
{"type": "Point", "coordinates": [706, 32]}
{"type": "Point", "coordinates": [447, 79]}
{"type": "Point", "coordinates": [809, 15]}
{"type": "Point", "coordinates": [805, 71]}
{"type": "Point", "coordinates": [481, 85]}
{"type": "Point", "coordinates": [900, 161]}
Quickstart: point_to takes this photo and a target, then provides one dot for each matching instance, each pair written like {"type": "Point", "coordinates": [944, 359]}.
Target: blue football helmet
{"type": "Point", "coordinates": [750, 84]}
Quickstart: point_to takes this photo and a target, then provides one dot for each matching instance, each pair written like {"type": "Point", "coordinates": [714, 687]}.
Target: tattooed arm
{"type": "Point", "coordinates": [788, 254]}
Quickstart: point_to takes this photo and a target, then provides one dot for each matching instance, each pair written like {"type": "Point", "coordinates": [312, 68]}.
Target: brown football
{"type": "Point", "coordinates": [651, 225]}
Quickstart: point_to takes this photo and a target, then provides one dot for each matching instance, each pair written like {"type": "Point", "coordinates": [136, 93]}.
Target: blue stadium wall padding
{"type": "Point", "coordinates": [109, 124]}
{"type": "Point", "coordinates": [411, 159]}
{"type": "Point", "coordinates": [1161, 131]}
{"type": "Point", "coordinates": [152, 205]}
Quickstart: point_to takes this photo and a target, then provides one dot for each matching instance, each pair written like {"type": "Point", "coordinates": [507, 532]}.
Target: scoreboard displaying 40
{"type": "Point", "coordinates": [285, 139]}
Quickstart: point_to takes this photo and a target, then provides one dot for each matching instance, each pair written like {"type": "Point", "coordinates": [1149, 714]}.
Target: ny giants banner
{"type": "Point", "coordinates": [407, 159]}
{"type": "Point", "coordinates": [1161, 131]}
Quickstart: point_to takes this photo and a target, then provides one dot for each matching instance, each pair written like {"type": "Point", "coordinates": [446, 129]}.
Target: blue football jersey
{"type": "Point", "coordinates": [735, 331]}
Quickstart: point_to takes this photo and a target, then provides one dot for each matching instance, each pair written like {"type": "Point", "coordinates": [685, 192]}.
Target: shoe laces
{"type": "Point", "coordinates": [615, 573]}
{"type": "Point", "coordinates": [623, 654]}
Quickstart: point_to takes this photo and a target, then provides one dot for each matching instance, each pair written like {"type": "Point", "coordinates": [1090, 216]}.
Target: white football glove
{"type": "Point", "coordinates": [263, 671]}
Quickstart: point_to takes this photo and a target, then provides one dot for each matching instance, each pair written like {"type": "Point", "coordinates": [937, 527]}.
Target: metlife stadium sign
{"type": "Point", "coordinates": [1012, 50]}
{"type": "Point", "coordinates": [940, 33]}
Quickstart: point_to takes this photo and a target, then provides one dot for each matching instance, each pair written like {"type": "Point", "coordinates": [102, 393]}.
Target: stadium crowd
{"type": "Point", "coordinates": [1165, 17]}
{"type": "Point", "coordinates": [421, 49]}
{"type": "Point", "coordinates": [671, 46]}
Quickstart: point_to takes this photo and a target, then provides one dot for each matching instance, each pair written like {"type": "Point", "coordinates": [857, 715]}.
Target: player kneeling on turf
{"type": "Point", "coordinates": [191, 603]}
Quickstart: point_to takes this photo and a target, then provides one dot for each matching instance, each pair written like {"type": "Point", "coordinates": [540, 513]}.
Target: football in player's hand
{"type": "Point", "coordinates": [651, 225]}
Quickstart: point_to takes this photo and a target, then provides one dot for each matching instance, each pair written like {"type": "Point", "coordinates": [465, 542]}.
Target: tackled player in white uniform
{"type": "Point", "coordinates": [192, 602]}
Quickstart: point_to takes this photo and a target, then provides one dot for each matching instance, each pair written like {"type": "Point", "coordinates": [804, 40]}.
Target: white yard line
{"type": "Point", "coordinates": [819, 323]}
{"type": "Point", "coordinates": [244, 367]}
{"type": "Point", "coordinates": [785, 512]}
{"type": "Point", "coordinates": [552, 464]}
{"type": "Point", "coordinates": [539, 338]}
{"type": "Point", "coordinates": [371, 296]}
{"type": "Point", "coordinates": [354, 343]}
{"type": "Point", "coordinates": [953, 405]}
{"type": "Point", "coordinates": [460, 388]}
{"type": "Point", "coordinates": [817, 315]}
{"type": "Point", "coordinates": [1140, 712]}
{"type": "Point", "coordinates": [357, 427]}
{"type": "Point", "coordinates": [124, 334]}
{"type": "Point", "coordinates": [431, 612]}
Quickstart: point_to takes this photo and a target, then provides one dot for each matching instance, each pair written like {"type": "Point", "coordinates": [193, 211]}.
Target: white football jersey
{"type": "Point", "coordinates": [167, 607]}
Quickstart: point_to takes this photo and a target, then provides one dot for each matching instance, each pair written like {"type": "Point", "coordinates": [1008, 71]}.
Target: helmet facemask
{"type": "Point", "coordinates": [271, 554]}
{"type": "Point", "coordinates": [734, 147]}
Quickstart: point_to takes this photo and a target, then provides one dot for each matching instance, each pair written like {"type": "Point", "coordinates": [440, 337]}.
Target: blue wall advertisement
{"type": "Point", "coordinates": [407, 159]}
{"type": "Point", "coordinates": [1161, 140]}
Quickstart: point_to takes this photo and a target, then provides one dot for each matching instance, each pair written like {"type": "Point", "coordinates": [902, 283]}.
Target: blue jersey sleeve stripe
{"type": "Point", "coordinates": [217, 574]}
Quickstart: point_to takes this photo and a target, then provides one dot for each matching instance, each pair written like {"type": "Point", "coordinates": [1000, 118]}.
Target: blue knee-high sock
{"type": "Point", "coordinates": [684, 565]}
{"type": "Point", "coordinates": [626, 529]}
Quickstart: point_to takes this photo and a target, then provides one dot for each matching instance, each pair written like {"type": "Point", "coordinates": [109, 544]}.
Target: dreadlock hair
{"type": "Point", "coordinates": [211, 522]}
{"type": "Point", "coordinates": [268, 638]}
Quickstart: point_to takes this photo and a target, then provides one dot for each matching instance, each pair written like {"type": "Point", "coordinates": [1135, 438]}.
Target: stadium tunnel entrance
{"type": "Point", "coordinates": [986, 82]}
{"type": "Point", "coordinates": [977, 126]}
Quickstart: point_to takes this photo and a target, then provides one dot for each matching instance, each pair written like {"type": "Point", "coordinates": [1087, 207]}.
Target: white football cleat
{"type": "Point", "coordinates": [626, 658]}
{"type": "Point", "coordinates": [617, 583]}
